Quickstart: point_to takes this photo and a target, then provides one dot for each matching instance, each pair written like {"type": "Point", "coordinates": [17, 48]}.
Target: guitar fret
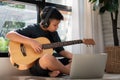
{"type": "Point", "coordinates": [59, 44]}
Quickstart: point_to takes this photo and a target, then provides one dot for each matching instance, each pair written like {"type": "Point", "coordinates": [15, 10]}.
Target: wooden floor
{"type": "Point", "coordinates": [105, 77]}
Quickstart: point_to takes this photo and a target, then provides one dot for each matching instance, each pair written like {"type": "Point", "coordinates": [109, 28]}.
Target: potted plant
{"type": "Point", "coordinates": [113, 61]}
{"type": "Point", "coordinates": [112, 7]}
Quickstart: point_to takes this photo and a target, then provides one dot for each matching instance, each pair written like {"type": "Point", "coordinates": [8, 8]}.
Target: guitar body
{"type": "Point", "coordinates": [23, 56]}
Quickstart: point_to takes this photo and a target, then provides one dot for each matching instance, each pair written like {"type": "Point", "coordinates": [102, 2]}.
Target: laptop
{"type": "Point", "coordinates": [87, 66]}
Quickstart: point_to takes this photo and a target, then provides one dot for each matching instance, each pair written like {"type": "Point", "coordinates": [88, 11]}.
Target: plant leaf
{"type": "Point", "coordinates": [112, 5]}
{"type": "Point", "coordinates": [101, 1]}
{"type": "Point", "coordinates": [96, 5]}
{"type": "Point", "coordinates": [89, 0]}
{"type": "Point", "coordinates": [92, 1]}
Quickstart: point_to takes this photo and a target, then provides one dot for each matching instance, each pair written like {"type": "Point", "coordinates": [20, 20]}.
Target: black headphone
{"type": "Point", "coordinates": [45, 22]}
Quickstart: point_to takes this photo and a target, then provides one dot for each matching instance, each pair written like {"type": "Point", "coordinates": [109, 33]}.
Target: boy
{"type": "Point", "coordinates": [47, 65]}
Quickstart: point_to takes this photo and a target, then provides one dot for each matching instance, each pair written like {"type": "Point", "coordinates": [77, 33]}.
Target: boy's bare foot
{"type": "Point", "coordinates": [54, 73]}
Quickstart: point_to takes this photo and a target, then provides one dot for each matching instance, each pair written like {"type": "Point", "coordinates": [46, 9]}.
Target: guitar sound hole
{"type": "Point", "coordinates": [22, 48]}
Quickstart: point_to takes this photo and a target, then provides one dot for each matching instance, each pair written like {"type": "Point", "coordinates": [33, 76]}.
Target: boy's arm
{"type": "Point", "coordinates": [66, 54]}
{"type": "Point", "coordinates": [85, 41]}
{"type": "Point", "coordinates": [14, 36]}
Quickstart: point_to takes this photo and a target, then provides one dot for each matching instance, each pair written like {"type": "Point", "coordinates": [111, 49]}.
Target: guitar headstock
{"type": "Point", "coordinates": [88, 41]}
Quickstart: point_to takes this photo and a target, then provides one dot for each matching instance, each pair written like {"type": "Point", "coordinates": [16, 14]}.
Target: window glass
{"type": "Point", "coordinates": [65, 28]}
{"type": "Point", "coordinates": [14, 15]}
{"type": "Point", "coordinates": [62, 2]}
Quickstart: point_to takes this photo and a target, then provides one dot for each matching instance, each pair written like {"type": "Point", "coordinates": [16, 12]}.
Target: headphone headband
{"type": "Point", "coordinates": [46, 20]}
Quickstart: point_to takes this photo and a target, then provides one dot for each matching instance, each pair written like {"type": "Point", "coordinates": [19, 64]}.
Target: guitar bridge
{"type": "Point", "coordinates": [16, 65]}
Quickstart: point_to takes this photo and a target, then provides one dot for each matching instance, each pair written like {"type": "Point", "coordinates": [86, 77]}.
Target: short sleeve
{"type": "Point", "coordinates": [26, 31]}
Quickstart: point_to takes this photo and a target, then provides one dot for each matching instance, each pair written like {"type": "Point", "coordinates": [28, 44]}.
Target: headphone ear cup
{"type": "Point", "coordinates": [45, 24]}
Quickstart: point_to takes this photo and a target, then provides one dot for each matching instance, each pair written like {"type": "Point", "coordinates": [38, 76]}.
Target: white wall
{"type": "Point", "coordinates": [86, 24]}
{"type": "Point", "coordinates": [7, 69]}
{"type": "Point", "coordinates": [107, 28]}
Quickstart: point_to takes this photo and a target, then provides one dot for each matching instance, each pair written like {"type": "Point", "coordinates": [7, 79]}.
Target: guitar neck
{"type": "Point", "coordinates": [59, 44]}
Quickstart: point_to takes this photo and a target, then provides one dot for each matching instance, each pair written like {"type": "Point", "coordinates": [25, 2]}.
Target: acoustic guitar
{"type": "Point", "coordinates": [23, 56]}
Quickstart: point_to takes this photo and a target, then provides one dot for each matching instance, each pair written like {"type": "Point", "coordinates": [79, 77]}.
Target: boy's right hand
{"type": "Point", "coordinates": [36, 45]}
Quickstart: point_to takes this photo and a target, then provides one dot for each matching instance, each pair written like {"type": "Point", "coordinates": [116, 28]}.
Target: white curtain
{"type": "Point", "coordinates": [86, 24]}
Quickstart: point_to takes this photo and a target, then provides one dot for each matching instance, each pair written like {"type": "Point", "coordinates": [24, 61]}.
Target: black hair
{"type": "Point", "coordinates": [55, 14]}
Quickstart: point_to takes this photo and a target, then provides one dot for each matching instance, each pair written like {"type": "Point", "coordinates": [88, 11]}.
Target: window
{"type": "Point", "coordinates": [14, 15]}
{"type": "Point", "coordinates": [62, 2]}
{"type": "Point", "coordinates": [65, 26]}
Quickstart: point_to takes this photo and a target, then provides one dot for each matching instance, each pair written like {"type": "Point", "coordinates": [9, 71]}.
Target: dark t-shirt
{"type": "Point", "coordinates": [35, 31]}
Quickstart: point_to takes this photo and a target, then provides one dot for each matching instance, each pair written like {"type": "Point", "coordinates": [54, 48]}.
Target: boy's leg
{"type": "Point", "coordinates": [56, 73]}
{"type": "Point", "coordinates": [51, 63]}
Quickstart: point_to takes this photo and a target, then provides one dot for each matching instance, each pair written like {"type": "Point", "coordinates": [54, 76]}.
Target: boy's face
{"type": "Point", "coordinates": [53, 25]}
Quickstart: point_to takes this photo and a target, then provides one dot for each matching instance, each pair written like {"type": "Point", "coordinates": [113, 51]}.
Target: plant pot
{"type": "Point", "coordinates": [113, 59]}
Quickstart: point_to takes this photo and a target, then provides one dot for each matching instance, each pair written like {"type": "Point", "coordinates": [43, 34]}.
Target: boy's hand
{"type": "Point", "coordinates": [36, 46]}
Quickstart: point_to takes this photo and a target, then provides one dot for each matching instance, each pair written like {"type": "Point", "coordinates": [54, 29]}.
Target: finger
{"type": "Point", "coordinates": [39, 49]}
{"type": "Point", "coordinates": [35, 50]}
{"type": "Point", "coordinates": [40, 46]}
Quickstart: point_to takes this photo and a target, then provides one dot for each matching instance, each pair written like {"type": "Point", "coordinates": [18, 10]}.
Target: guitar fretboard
{"type": "Point", "coordinates": [59, 44]}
